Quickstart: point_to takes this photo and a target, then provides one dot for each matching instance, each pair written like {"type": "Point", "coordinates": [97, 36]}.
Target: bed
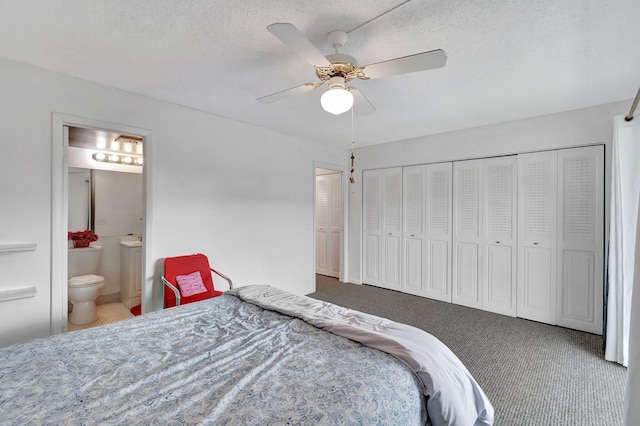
{"type": "Point", "coordinates": [256, 355]}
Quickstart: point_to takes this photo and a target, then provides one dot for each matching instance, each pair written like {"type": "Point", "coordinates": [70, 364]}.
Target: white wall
{"type": "Point", "coordinates": [572, 128]}
{"type": "Point", "coordinates": [118, 212]}
{"type": "Point", "coordinates": [239, 193]}
{"type": "Point", "coordinates": [118, 203]}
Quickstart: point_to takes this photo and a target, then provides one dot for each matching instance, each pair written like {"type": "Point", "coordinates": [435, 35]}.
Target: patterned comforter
{"type": "Point", "coordinates": [219, 361]}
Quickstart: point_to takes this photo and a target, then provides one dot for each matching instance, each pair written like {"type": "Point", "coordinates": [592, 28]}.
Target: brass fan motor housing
{"type": "Point", "coordinates": [342, 65]}
{"type": "Point", "coordinates": [346, 70]}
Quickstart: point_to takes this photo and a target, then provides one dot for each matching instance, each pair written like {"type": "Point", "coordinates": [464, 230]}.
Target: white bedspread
{"type": "Point", "coordinates": [454, 397]}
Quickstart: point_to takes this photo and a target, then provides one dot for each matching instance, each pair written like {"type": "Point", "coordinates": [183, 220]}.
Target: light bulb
{"type": "Point", "coordinates": [99, 156]}
{"type": "Point", "coordinates": [127, 159]}
{"type": "Point", "coordinates": [101, 142]}
{"type": "Point", "coordinates": [139, 160]}
{"type": "Point", "coordinates": [114, 158]}
{"type": "Point", "coordinates": [336, 100]}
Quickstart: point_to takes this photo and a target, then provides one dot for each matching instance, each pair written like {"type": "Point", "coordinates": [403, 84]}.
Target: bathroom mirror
{"type": "Point", "coordinates": [80, 199]}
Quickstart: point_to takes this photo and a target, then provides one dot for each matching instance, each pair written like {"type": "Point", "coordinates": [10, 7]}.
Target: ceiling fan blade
{"type": "Point", "coordinates": [274, 97]}
{"type": "Point", "coordinates": [296, 41]}
{"type": "Point", "coordinates": [406, 64]}
{"type": "Point", "coordinates": [361, 105]}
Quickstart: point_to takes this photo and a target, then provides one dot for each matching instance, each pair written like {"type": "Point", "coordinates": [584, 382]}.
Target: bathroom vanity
{"type": "Point", "coordinates": [130, 273]}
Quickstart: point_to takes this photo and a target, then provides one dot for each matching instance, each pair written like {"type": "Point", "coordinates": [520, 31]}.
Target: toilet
{"type": "Point", "coordinates": [84, 284]}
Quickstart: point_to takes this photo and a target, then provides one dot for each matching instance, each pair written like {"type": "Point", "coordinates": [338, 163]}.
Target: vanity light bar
{"type": "Point", "coordinates": [127, 160]}
{"type": "Point", "coordinates": [128, 144]}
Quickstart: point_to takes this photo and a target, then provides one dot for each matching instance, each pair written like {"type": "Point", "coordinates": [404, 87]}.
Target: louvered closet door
{"type": "Point", "coordinates": [537, 236]}
{"type": "Point", "coordinates": [439, 205]}
{"type": "Point", "coordinates": [467, 237]}
{"type": "Point", "coordinates": [391, 227]}
{"type": "Point", "coordinates": [372, 239]}
{"type": "Point", "coordinates": [413, 232]}
{"type": "Point", "coordinates": [322, 224]}
{"type": "Point", "coordinates": [580, 238]}
{"type": "Point", "coordinates": [499, 232]}
{"type": "Point", "coordinates": [334, 224]}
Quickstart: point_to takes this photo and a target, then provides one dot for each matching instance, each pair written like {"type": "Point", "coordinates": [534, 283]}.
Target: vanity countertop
{"type": "Point", "coordinates": [131, 244]}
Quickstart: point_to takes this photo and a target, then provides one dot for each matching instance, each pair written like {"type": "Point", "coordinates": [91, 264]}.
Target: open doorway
{"type": "Point", "coordinates": [62, 165]}
{"type": "Point", "coordinates": [105, 200]}
{"type": "Point", "coordinates": [329, 222]}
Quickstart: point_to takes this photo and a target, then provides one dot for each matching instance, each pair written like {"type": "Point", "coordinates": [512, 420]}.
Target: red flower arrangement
{"type": "Point", "coordinates": [82, 238]}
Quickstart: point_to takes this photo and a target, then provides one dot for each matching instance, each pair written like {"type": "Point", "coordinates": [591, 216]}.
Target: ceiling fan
{"type": "Point", "coordinates": [338, 69]}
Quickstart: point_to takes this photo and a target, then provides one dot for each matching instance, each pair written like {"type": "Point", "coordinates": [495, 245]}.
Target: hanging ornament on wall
{"type": "Point", "coordinates": [353, 145]}
{"type": "Point", "coordinates": [351, 178]}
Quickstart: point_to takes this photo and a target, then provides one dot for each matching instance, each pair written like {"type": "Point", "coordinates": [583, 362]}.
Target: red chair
{"type": "Point", "coordinates": [175, 270]}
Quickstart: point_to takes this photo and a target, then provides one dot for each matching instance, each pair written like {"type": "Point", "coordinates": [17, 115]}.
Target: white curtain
{"type": "Point", "coordinates": [625, 194]}
{"type": "Point", "coordinates": [632, 408]}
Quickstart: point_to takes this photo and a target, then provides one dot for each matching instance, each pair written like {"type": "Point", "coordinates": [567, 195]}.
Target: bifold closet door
{"type": "Point", "coordinates": [322, 224]}
{"type": "Point", "coordinates": [439, 217]}
{"type": "Point", "coordinates": [328, 224]}
{"type": "Point", "coordinates": [383, 227]}
{"type": "Point", "coordinates": [581, 238]}
{"type": "Point", "coordinates": [413, 230]}
{"type": "Point", "coordinates": [391, 227]}
{"type": "Point", "coordinates": [499, 232]}
{"type": "Point", "coordinates": [372, 238]}
{"type": "Point", "coordinates": [537, 235]}
{"type": "Point", "coordinates": [335, 224]}
{"type": "Point", "coordinates": [467, 236]}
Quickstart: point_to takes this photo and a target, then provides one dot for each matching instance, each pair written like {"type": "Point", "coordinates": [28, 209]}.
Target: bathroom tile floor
{"type": "Point", "coordinates": [107, 313]}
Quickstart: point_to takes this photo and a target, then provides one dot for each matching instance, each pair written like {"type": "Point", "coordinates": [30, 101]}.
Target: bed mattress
{"type": "Point", "coordinates": [219, 361]}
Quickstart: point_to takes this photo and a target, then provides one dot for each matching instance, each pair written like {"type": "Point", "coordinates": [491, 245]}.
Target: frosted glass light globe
{"type": "Point", "coordinates": [336, 100]}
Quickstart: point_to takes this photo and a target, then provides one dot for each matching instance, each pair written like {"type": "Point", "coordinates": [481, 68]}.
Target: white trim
{"type": "Point", "coordinates": [344, 243]}
{"type": "Point", "coordinates": [59, 213]}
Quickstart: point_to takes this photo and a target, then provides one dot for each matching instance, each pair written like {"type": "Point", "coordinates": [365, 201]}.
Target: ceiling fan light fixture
{"type": "Point", "coordinates": [337, 99]}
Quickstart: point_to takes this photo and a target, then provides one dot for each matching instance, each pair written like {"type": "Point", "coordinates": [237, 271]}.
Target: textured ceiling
{"type": "Point", "coordinates": [507, 59]}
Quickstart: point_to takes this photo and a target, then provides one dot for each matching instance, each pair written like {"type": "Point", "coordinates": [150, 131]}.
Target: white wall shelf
{"type": "Point", "coordinates": [17, 247]}
{"type": "Point", "coordinates": [17, 293]}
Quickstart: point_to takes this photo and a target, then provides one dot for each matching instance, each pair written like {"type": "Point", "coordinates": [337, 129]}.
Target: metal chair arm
{"type": "Point", "coordinates": [223, 276]}
{"type": "Point", "coordinates": [174, 289]}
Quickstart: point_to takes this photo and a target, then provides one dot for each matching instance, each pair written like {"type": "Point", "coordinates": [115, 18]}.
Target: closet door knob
{"type": "Point", "coordinates": [535, 244]}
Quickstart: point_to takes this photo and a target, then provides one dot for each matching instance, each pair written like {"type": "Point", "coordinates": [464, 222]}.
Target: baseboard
{"type": "Point", "coordinates": [108, 298]}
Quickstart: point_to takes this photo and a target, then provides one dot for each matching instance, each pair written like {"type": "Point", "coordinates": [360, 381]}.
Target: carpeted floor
{"type": "Point", "coordinates": [533, 373]}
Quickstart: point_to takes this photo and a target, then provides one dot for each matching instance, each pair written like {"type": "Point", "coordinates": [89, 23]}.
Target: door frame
{"type": "Point", "coordinates": [59, 212]}
{"type": "Point", "coordinates": [344, 258]}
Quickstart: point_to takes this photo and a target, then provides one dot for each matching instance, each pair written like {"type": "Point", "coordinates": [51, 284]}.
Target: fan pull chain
{"type": "Point", "coordinates": [353, 145]}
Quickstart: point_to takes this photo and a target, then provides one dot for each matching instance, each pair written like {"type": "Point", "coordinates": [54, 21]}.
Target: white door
{"type": "Point", "coordinates": [335, 224]}
{"type": "Point", "coordinates": [439, 204]}
{"type": "Point", "coordinates": [328, 224]}
{"type": "Point", "coordinates": [322, 224]}
{"type": "Point", "coordinates": [372, 207]}
{"type": "Point", "coordinates": [537, 236]}
{"type": "Point", "coordinates": [580, 238]}
{"type": "Point", "coordinates": [467, 237]}
{"type": "Point", "coordinates": [391, 227]}
{"type": "Point", "coordinates": [413, 232]}
{"type": "Point", "coordinates": [499, 234]}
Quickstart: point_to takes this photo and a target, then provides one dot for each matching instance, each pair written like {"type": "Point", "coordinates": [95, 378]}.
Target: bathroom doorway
{"type": "Point", "coordinates": [66, 158]}
{"type": "Point", "coordinates": [105, 197]}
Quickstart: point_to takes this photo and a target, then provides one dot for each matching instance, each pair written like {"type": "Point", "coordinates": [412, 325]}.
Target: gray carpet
{"type": "Point", "coordinates": [533, 373]}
